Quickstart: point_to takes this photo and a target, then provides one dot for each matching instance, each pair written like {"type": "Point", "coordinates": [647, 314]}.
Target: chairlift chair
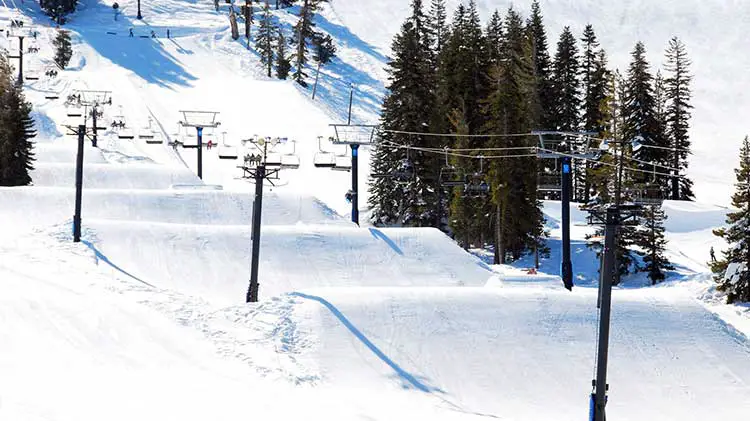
{"type": "Point", "coordinates": [290, 160]}
{"type": "Point", "coordinates": [323, 159]}
{"type": "Point", "coordinates": [342, 163]}
{"type": "Point", "coordinates": [273, 159]}
{"type": "Point", "coordinates": [51, 95]}
{"type": "Point", "coordinates": [74, 112]}
{"type": "Point", "coordinates": [126, 133]}
{"type": "Point", "coordinates": [31, 75]}
{"type": "Point", "coordinates": [228, 152]}
{"type": "Point", "coordinates": [648, 194]}
{"type": "Point", "coordinates": [476, 186]}
{"type": "Point", "coordinates": [549, 182]}
{"type": "Point", "coordinates": [451, 176]}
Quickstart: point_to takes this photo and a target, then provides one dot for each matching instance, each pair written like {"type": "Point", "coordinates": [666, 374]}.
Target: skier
{"type": "Point", "coordinates": [713, 255]}
{"type": "Point", "coordinates": [153, 34]}
{"type": "Point", "coordinates": [167, 33]}
{"type": "Point", "coordinates": [209, 144]}
{"type": "Point", "coordinates": [131, 32]}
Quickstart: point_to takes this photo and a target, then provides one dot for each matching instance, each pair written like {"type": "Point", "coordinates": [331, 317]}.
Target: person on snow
{"type": "Point", "coordinates": [712, 254]}
{"type": "Point", "coordinates": [209, 144]}
{"type": "Point", "coordinates": [167, 33]}
{"type": "Point", "coordinates": [153, 34]}
{"type": "Point", "coordinates": [131, 32]}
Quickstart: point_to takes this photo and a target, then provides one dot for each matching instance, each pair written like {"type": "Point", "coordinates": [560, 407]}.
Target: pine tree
{"type": "Point", "coordinates": [517, 212]}
{"type": "Point", "coordinates": [413, 202]}
{"type": "Point", "coordinates": [325, 50]}
{"type": "Point", "coordinates": [606, 176]}
{"type": "Point", "coordinates": [732, 272]}
{"type": "Point", "coordinates": [63, 49]}
{"type": "Point", "coordinates": [639, 111]}
{"type": "Point", "coordinates": [545, 104]}
{"type": "Point", "coordinates": [594, 80]}
{"type": "Point", "coordinates": [16, 146]}
{"type": "Point", "coordinates": [567, 94]}
{"type": "Point", "coordinates": [283, 65]}
{"type": "Point", "coordinates": [304, 30]}
{"type": "Point", "coordinates": [650, 239]}
{"type": "Point", "coordinates": [265, 38]}
{"type": "Point", "coordinates": [494, 35]}
{"type": "Point", "coordinates": [678, 94]}
{"type": "Point", "coordinates": [438, 27]}
{"type": "Point", "coordinates": [57, 9]}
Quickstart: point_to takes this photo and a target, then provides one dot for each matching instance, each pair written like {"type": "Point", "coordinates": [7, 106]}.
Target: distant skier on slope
{"type": "Point", "coordinates": [131, 32]}
{"type": "Point", "coordinates": [712, 254]}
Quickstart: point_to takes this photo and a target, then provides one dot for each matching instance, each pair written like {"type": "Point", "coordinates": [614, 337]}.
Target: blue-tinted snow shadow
{"type": "Point", "coordinates": [379, 234]}
{"type": "Point", "coordinates": [141, 54]}
{"type": "Point", "coordinates": [102, 257]}
{"type": "Point", "coordinates": [410, 380]}
{"type": "Point", "coordinates": [348, 38]}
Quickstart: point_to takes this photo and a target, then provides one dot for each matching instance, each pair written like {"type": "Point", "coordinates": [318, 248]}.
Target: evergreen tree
{"type": "Point", "coordinates": [325, 50]}
{"type": "Point", "coordinates": [16, 146]}
{"type": "Point", "coordinates": [607, 175]}
{"type": "Point", "coordinates": [265, 38]}
{"type": "Point", "coordinates": [405, 202]}
{"type": "Point", "coordinates": [438, 27]}
{"type": "Point", "coordinates": [57, 9]}
{"type": "Point", "coordinates": [594, 80]}
{"type": "Point", "coordinates": [517, 212]}
{"type": "Point", "coordinates": [494, 35]}
{"type": "Point", "coordinates": [732, 272]}
{"type": "Point", "coordinates": [650, 239]}
{"type": "Point", "coordinates": [63, 49]}
{"type": "Point", "coordinates": [284, 3]}
{"type": "Point", "coordinates": [545, 105]}
{"type": "Point", "coordinates": [678, 94]}
{"type": "Point", "coordinates": [304, 30]}
{"type": "Point", "coordinates": [639, 111]}
{"type": "Point", "coordinates": [283, 65]}
{"type": "Point", "coordinates": [566, 92]}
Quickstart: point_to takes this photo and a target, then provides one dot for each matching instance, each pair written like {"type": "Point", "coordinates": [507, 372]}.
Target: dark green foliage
{"type": "Point", "coordinates": [545, 104]}
{"type": "Point", "coordinates": [516, 209]}
{"type": "Point", "coordinates": [325, 50]}
{"type": "Point", "coordinates": [565, 85]}
{"type": "Point", "coordinates": [63, 49]}
{"type": "Point", "coordinates": [265, 38]}
{"type": "Point", "coordinates": [650, 239]}
{"type": "Point", "coordinates": [594, 80]}
{"type": "Point", "coordinates": [16, 131]}
{"type": "Point", "coordinates": [678, 94]}
{"type": "Point", "coordinates": [494, 35]}
{"type": "Point", "coordinates": [412, 202]}
{"type": "Point", "coordinates": [438, 27]}
{"type": "Point", "coordinates": [304, 31]}
{"type": "Point", "coordinates": [284, 3]}
{"type": "Point", "coordinates": [57, 9]}
{"type": "Point", "coordinates": [737, 236]}
{"type": "Point", "coordinates": [639, 110]}
{"type": "Point", "coordinates": [283, 65]}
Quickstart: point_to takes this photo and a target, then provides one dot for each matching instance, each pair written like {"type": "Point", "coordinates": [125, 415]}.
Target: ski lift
{"type": "Point", "coordinates": [475, 185]}
{"type": "Point", "coordinates": [31, 74]}
{"type": "Point", "coordinates": [126, 133]}
{"type": "Point", "coordinates": [647, 194]}
{"type": "Point", "coordinates": [342, 162]}
{"type": "Point", "coordinates": [74, 112]}
{"type": "Point", "coordinates": [273, 159]}
{"type": "Point", "coordinates": [550, 181]}
{"type": "Point", "coordinates": [323, 159]}
{"type": "Point", "coordinates": [51, 95]}
{"type": "Point", "coordinates": [450, 176]}
{"type": "Point", "coordinates": [290, 160]}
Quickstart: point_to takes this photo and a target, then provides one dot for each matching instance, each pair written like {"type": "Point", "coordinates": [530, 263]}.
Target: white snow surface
{"type": "Point", "coordinates": [145, 319]}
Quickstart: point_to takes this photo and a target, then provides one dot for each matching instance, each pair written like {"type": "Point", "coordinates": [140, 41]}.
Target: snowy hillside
{"type": "Point", "coordinates": [711, 31]}
{"type": "Point", "coordinates": [145, 319]}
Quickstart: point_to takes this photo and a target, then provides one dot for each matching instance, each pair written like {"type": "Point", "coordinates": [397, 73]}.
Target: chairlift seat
{"type": "Point", "coordinates": [32, 76]}
{"type": "Point", "coordinates": [342, 163]}
{"type": "Point", "coordinates": [273, 160]}
{"type": "Point", "coordinates": [227, 152]}
{"type": "Point", "coordinates": [51, 95]}
{"type": "Point", "coordinates": [126, 134]}
{"type": "Point", "coordinates": [290, 162]}
{"type": "Point", "coordinates": [75, 112]}
{"type": "Point", "coordinates": [324, 160]}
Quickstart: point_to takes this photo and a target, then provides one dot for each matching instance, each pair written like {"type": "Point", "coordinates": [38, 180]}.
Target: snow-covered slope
{"type": "Point", "coordinates": [146, 315]}
{"type": "Point", "coordinates": [711, 30]}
